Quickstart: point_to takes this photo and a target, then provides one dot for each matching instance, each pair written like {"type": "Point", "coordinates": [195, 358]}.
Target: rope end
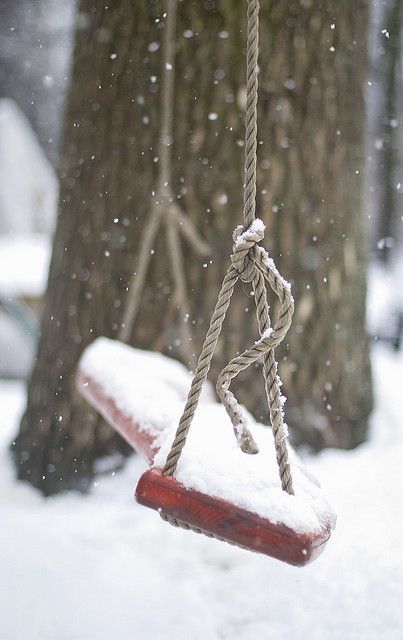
{"type": "Point", "coordinates": [247, 443]}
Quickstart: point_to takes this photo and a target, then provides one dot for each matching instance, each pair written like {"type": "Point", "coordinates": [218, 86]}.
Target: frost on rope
{"type": "Point", "coordinates": [258, 227]}
{"type": "Point", "coordinates": [152, 389]}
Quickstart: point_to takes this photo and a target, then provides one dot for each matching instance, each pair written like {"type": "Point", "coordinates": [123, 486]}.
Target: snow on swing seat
{"type": "Point", "coordinates": [217, 489]}
{"type": "Point", "coordinates": [139, 393]}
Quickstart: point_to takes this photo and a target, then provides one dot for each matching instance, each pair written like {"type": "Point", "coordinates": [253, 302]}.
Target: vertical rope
{"type": "Point", "coordinates": [272, 386]}
{"type": "Point", "coordinates": [167, 97]}
{"type": "Point", "coordinates": [165, 209]}
{"type": "Point", "coordinates": [201, 372]}
{"type": "Point", "coordinates": [251, 112]}
{"type": "Point", "coordinates": [251, 264]}
{"type": "Point", "coordinates": [137, 283]}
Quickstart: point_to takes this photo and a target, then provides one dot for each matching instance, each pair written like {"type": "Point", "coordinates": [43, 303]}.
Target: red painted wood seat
{"type": "Point", "coordinates": [144, 442]}
{"type": "Point", "coordinates": [214, 516]}
{"type": "Point", "coordinates": [221, 519]}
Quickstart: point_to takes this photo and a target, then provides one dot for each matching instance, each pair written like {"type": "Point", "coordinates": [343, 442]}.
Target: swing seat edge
{"type": "Point", "coordinates": [140, 440]}
{"type": "Point", "coordinates": [219, 518]}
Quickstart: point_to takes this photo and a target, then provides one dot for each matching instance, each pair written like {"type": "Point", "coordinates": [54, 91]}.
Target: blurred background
{"type": "Point", "coordinates": [36, 49]}
{"type": "Point", "coordinates": [80, 119]}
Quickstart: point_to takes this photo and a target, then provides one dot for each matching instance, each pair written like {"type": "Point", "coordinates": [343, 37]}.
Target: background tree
{"type": "Point", "coordinates": [313, 64]}
{"type": "Point", "coordinates": [389, 134]}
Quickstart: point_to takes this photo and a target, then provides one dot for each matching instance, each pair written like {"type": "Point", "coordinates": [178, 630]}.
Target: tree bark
{"type": "Point", "coordinates": [310, 167]}
{"type": "Point", "coordinates": [314, 97]}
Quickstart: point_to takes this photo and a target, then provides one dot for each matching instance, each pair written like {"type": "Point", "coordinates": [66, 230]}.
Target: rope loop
{"type": "Point", "coordinates": [166, 210]}
{"type": "Point", "coordinates": [244, 249]}
{"type": "Point", "coordinates": [251, 264]}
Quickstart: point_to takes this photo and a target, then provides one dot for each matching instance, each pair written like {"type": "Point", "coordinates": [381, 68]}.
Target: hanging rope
{"type": "Point", "coordinates": [166, 210]}
{"type": "Point", "coordinates": [251, 264]}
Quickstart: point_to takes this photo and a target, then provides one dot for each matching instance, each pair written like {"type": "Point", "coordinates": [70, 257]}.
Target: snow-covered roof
{"type": "Point", "coordinates": [24, 263]}
{"type": "Point", "coordinates": [28, 184]}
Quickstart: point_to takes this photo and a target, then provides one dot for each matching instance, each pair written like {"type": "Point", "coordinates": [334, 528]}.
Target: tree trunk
{"type": "Point", "coordinates": [310, 168]}
{"type": "Point", "coordinates": [314, 98]}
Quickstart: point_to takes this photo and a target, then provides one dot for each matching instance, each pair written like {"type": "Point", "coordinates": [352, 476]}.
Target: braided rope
{"type": "Point", "coordinates": [251, 264]}
{"type": "Point", "coordinates": [258, 264]}
{"type": "Point", "coordinates": [166, 210]}
{"type": "Point", "coordinates": [252, 54]}
{"type": "Point", "coordinates": [181, 524]}
{"type": "Point", "coordinates": [202, 369]}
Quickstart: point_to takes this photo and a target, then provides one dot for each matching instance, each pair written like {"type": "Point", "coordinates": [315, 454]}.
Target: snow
{"type": "Point", "coordinates": [17, 349]}
{"type": "Point", "coordinates": [143, 384]}
{"type": "Point", "coordinates": [24, 264]}
{"type": "Point", "coordinates": [98, 567]}
{"type": "Point", "coordinates": [152, 389]}
{"type": "Point", "coordinates": [385, 296]}
{"type": "Point", "coordinates": [28, 184]}
{"type": "Point", "coordinates": [257, 228]}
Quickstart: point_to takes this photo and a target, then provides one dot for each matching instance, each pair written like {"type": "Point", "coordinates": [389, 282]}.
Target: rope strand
{"type": "Point", "coordinates": [251, 264]}
{"type": "Point", "coordinates": [251, 112]}
{"type": "Point", "coordinates": [166, 210]}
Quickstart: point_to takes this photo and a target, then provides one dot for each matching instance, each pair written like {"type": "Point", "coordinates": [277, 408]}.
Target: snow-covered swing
{"type": "Point", "coordinates": [233, 497]}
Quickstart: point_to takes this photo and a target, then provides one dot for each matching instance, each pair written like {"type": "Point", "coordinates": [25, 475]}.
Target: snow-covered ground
{"type": "Point", "coordinates": [101, 567]}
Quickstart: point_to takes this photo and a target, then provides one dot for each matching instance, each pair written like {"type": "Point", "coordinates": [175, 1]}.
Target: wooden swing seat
{"type": "Point", "coordinates": [190, 508]}
{"type": "Point", "coordinates": [140, 440]}
{"type": "Point", "coordinates": [221, 519]}
{"type": "Point", "coordinates": [179, 505]}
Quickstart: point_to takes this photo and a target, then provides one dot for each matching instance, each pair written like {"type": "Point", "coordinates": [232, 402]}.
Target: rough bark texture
{"type": "Point", "coordinates": [310, 167]}
{"type": "Point", "coordinates": [314, 99]}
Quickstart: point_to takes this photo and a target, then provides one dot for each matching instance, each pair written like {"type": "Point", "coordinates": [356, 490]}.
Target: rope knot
{"type": "Point", "coordinates": [244, 250]}
{"type": "Point", "coordinates": [251, 264]}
